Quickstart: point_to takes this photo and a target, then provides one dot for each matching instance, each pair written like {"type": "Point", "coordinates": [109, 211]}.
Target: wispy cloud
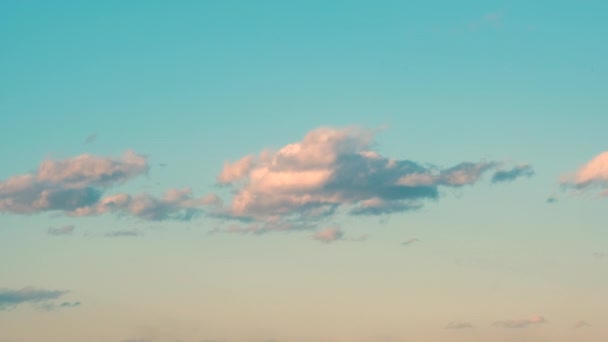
{"type": "Point", "coordinates": [91, 138]}
{"type": "Point", "coordinates": [124, 233]}
{"type": "Point", "coordinates": [328, 235]}
{"type": "Point", "coordinates": [581, 324]}
{"type": "Point", "coordinates": [40, 298]}
{"type": "Point", "coordinates": [512, 174]}
{"type": "Point", "coordinates": [521, 323]}
{"type": "Point", "coordinates": [459, 325]}
{"type": "Point", "coordinates": [333, 170]}
{"type": "Point", "coordinates": [599, 255]}
{"type": "Point", "coordinates": [410, 241]}
{"type": "Point", "coordinates": [63, 230]}
{"type": "Point", "coordinates": [593, 176]}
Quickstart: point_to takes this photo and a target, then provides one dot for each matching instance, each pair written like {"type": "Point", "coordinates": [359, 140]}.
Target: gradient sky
{"type": "Point", "coordinates": [349, 171]}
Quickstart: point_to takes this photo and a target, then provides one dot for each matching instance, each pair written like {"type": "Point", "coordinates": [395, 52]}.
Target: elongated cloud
{"type": "Point", "coordinates": [10, 299]}
{"type": "Point", "coordinates": [331, 170]}
{"type": "Point", "coordinates": [410, 241]}
{"type": "Point", "coordinates": [124, 233]}
{"type": "Point", "coordinates": [591, 176]}
{"type": "Point", "coordinates": [581, 324]}
{"type": "Point", "coordinates": [63, 230]}
{"type": "Point", "coordinates": [521, 323]}
{"type": "Point", "coordinates": [512, 174]}
{"type": "Point", "coordinates": [459, 325]}
{"type": "Point", "coordinates": [76, 187]}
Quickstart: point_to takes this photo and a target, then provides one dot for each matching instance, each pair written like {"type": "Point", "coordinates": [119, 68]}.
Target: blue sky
{"type": "Point", "coordinates": [200, 90]}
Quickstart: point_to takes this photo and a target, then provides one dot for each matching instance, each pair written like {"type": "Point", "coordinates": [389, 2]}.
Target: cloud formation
{"type": "Point", "coordinates": [63, 230]}
{"type": "Point", "coordinates": [512, 174]}
{"type": "Point", "coordinates": [68, 184]}
{"type": "Point", "coordinates": [328, 235]}
{"type": "Point", "coordinates": [42, 299]}
{"type": "Point", "coordinates": [593, 176]}
{"type": "Point", "coordinates": [76, 186]}
{"type": "Point", "coordinates": [124, 233]}
{"type": "Point", "coordinates": [459, 325]}
{"type": "Point", "coordinates": [331, 170]}
{"type": "Point", "coordinates": [521, 323]}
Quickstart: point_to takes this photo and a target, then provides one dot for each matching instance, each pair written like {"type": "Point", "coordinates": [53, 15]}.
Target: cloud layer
{"type": "Point", "coordinates": [337, 169]}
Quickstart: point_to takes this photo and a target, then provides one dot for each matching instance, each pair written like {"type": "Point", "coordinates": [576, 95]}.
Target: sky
{"type": "Point", "coordinates": [357, 171]}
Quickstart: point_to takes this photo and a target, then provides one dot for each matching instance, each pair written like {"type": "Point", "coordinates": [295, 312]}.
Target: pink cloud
{"type": "Point", "coordinates": [592, 175]}
{"type": "Point", "coordinates": [328, 235]}
{"type": "Point", "coordinates": [333, 169]}
{"type": "Point", "coordinates": [76, 185]}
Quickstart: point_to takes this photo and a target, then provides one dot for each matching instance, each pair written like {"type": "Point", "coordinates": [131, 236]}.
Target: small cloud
{"type": "Point", "coordinates": [552, 200]}
{"type": "Point", "coordinates": [410, 241]}
{"type": "Point", "coordinates": [521, 323]}
{"type": "Point", "coordinates": [124, 233]}
{"type": "Point", "coordinates": [63, 230]}
{"type": "Point", "coordinates": [599, 255]}
{"type": "Point", "coordinates": [41, 299]}
{"type": "Point", "coordinates": [494, 17]}
{"type": "Point", "coordinates": [459, 325]}
{"type": "Point", "coordinates": [46, 306]}
{"type": "Point", "coordinates": [162, 164]}
{"type": "Point", "coordinates": [512, 174]}
{"type": "Point", "coordinates": [581, 324]}
{"type": "Point", "coordinates": [69, 304]}
{"type": "Point", "coordinates": [91, 138]}
{"type": "Point", "coordinates": [491, 19]}
{"type": "Point", "coordinates": [328, 235]}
